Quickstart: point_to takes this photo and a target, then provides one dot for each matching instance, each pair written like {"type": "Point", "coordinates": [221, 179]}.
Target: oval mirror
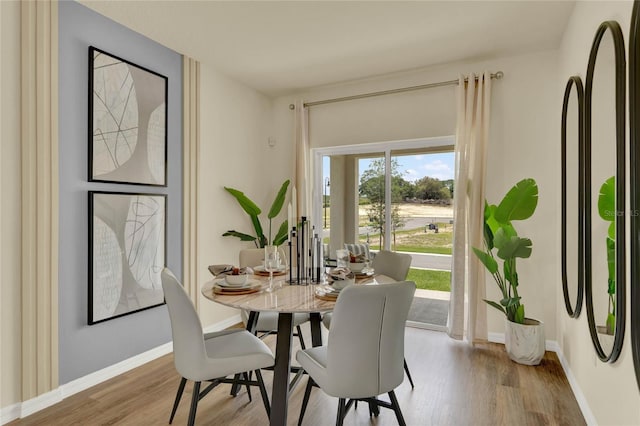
{"type": "Point", "coordinates": [572, 152]}
{"type": "Point", "coordinates": [634, 153]}
{"type": "Point", "coordinates": [605, 191]}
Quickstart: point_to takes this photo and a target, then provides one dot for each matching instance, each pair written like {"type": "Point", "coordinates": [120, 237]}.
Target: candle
{"type": "Point", "coordinates": [294, 200]}
{"type": "Point", "coordinates": [289, 219]}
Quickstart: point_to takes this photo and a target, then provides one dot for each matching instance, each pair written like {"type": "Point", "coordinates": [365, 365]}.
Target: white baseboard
{"type": "Point", "coordinates": [97, 377]}
{"type": "Point", "coordinates": [33, 405]}
{"type": "Point", "coordinates": [553, 346]}
{"type": "Point", "coordinates": [9, 413]}
{"type": "Point", "coordinates": [577, 392]}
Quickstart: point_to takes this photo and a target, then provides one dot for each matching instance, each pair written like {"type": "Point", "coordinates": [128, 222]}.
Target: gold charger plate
{"type": "Point", "coordinates": [324, 295]}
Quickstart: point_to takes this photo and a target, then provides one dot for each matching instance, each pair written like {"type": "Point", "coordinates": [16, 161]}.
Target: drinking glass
{"type": "Point", "coordinates": [342, 258]}
{"type": "Point", "coordinates": [271, 263]}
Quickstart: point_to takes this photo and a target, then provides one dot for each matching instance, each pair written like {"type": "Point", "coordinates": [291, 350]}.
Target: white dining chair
{"type": "Point", "coordinates": [363, 356]}
{"type": "Point", "coordinates": [211, 357]}
{"type": "Point", "coordinates": [394, 265]}
{"type": "Point", "coordinates": [267, 321]}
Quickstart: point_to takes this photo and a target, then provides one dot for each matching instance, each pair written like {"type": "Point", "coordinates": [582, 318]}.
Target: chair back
{"type": "Point", "coordinates": [255, 257]}
{"type": "Point", "coordinates": [365, 350]}
{"type": "Point", "coordinates": [189, 352]}
{"type": "Point", "coordinates": [392, 264]}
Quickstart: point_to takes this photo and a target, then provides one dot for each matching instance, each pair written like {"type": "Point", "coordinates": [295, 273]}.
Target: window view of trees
{"type": "Point", "coordinates": [372, 195]}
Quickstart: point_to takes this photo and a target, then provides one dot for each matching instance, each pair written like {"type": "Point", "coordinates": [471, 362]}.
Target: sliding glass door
{"type": "Point", "coordinates": [395, 196]}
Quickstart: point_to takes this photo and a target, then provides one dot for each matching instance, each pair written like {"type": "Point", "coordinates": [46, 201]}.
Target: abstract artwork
{"type": "Point", "coordinates": [126, 253]}
{"type": "Point", "coordinates": [127, 122]}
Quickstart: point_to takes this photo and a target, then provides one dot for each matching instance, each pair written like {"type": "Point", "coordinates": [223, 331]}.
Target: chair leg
{"type": "Point", "coordinates": [406, 370]}
{"type": "Point", "coordinates": [194, 404]}
{"type": "Point", "coordinates": [341, 411]}
{"type": "Point", "coordinates": [396, 408]}
{"type": "Point", "coordinates": [305, 400]}
{"type": "Point", "coordinates": [263, 393]}
{"type": "Point", "coordinates": [246, 377]}
{"type": "Point", "coordinates": [299, 331]}
{"type": "Point", "coordinates": [183, 382]}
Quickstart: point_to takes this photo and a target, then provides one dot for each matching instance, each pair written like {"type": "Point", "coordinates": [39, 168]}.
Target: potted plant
{"type": "Point", "coordinates": [524, 337]}
{"type": "Point", "coordinates": [254, 211]}
{"type": "Point", "coordinates": [607, 211]}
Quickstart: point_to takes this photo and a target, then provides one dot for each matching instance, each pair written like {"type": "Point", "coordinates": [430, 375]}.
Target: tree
{"type": "Point", "coordinates": [429, 188]}
{"type": "Point", "coordinates": [372, 187]}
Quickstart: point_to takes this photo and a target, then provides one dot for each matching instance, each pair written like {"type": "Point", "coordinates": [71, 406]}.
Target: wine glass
{"type": "Point", "coordinates": [271, 263]}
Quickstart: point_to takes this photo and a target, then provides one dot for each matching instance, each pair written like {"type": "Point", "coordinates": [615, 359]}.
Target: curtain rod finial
{"type": "Point", "coordinates": [499, 75]}
{"type": "Point", "coordinates": [292, 106]}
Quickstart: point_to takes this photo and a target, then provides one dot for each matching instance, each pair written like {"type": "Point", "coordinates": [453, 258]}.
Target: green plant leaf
{"type": "Point", "coordinates": [607, 200]}
{"type": "Point", "coordinates": [281, 236]}
{"type": "Point", "coordinates": [247, 205]}
{"type": "Point", "coordinates": [495, 305]}
{"type": "Point", "coordinates": [262, 240]}
{"type": "Point", "coordinates": [611, 232]}
{"type": "Point", "coordinates": [486, 259]}
{"type": "Point", "coordinates": [279, 200]}
{"type": "Point", "coordinates": [243, 237]}
{"type": "Point", "coordinates": [519, 317]}
{"type": "Point", "coordinates": [611, 263]}
{"type": "Point", "coordinates": [511, 247]}
{"type": "Point", "coordinates": [508, 302]}
{"type": "Point", "coordinates": [519, 203]}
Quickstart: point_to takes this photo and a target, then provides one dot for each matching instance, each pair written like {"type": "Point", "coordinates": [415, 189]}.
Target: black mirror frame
{"type": "Point", "coordinates": [620, 82]}
{"type": "Point", "coordinates": [573, 82]}
{"type": "Point", "coordinates": [634, 173]}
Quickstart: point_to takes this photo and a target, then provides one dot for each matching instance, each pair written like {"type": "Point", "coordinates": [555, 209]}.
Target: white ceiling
{"type": "Point", "coordinates": [278, 47]}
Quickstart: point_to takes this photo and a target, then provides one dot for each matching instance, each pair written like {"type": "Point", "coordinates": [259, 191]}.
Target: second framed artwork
{"type": "Point", "coordinates": [127, 250]}
{"type": "Point", "coordinates": [127, 122]}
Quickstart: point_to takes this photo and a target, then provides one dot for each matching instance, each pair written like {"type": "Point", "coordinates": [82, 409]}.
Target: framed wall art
{"type": "Point", "coordinates": [127, 122]}
{"type": "Point", "coordinates": [127, 252]}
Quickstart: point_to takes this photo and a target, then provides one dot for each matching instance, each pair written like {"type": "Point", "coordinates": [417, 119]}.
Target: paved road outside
{"type": "Point", "coordinates": [440, 262]}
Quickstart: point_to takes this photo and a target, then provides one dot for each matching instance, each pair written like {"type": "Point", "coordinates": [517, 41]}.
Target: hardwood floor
{"type": "Point", "coordinates": [455, 385]}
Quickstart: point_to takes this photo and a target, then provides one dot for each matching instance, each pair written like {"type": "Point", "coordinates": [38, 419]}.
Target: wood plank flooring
{"type": "Point", "coordinates": [455, 385]}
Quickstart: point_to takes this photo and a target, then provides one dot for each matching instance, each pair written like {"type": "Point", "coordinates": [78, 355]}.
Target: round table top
{"type": "Point", "coordinates": [284, 298]}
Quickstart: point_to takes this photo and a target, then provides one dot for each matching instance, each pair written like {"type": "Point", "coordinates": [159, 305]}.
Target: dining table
{"type": "Point", "coordinates": [286, 299]}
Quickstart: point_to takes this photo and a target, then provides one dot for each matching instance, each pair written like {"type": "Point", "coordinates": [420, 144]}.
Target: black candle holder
{"type": "Point", "coordinates": [307, 254]}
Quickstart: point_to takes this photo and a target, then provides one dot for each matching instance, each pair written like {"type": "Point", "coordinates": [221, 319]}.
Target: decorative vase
{"type": "Point", "coordinates": [525, 343]}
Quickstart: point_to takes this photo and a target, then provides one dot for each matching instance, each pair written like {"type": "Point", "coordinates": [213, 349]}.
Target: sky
{"type": "Point", "coordinates": [414, 167]}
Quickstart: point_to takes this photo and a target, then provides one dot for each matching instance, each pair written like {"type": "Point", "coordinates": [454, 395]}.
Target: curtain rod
{"type": "Point", "coordinates": [498, 75]}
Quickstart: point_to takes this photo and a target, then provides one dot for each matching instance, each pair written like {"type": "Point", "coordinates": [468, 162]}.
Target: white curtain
{"type": "Point", "coordinates": [467, 310]}
{"type": "Point", "coordinates": [301, 177]}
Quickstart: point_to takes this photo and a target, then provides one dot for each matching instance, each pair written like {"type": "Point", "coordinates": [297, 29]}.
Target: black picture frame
{"type": "Point", "coordinates": [127, 252]}
{"type": "Point", "coordinates": [128, 122]}
{"type": "Point", "coordinates": [573, 303]}
{"type": "Point", "coordinates": [634, 176]}
{"type": "Point", "coordinates": [620, 145]}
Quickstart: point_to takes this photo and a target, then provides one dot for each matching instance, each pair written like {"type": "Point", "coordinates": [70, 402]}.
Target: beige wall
{"type": "Point", "coordinates": [235, 127]}
{"type": "Point", "coordinates": [524, 130]}
{"type": "Point", "coordinates": [610, 389]}
{"type": "Point", "coordinates": [10, 346]}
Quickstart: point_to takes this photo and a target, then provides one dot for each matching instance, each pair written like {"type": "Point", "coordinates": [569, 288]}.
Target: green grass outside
{"type": "Point", "coordinates": [418, 241]}
{"type": "Point", "coordinates": [430, 280]}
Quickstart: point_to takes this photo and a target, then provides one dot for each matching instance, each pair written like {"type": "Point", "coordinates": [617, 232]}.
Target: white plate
{"type": "Point", "coordinates": [260, 268]}
{"type": "Point", "coordinates": [221, 282]}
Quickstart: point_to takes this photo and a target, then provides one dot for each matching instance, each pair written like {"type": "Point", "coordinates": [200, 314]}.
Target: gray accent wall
{"type": "Point", "coordinates": [85, 349]}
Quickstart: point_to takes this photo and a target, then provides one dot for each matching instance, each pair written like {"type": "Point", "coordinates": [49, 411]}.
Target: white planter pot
{"type": "Point", "coordinates": [525, 343]}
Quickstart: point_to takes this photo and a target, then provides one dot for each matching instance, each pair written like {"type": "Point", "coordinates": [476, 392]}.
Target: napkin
{"type": "Point", "coordinates": [227, 269]}
{"type": "Point", "coordinates": [341, 273]}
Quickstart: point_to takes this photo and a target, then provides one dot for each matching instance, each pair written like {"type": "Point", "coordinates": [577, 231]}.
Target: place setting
{"type": "Point", "coordinates": [231, 280]}
{"type": "Point", "coordinates": [337, 279]}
